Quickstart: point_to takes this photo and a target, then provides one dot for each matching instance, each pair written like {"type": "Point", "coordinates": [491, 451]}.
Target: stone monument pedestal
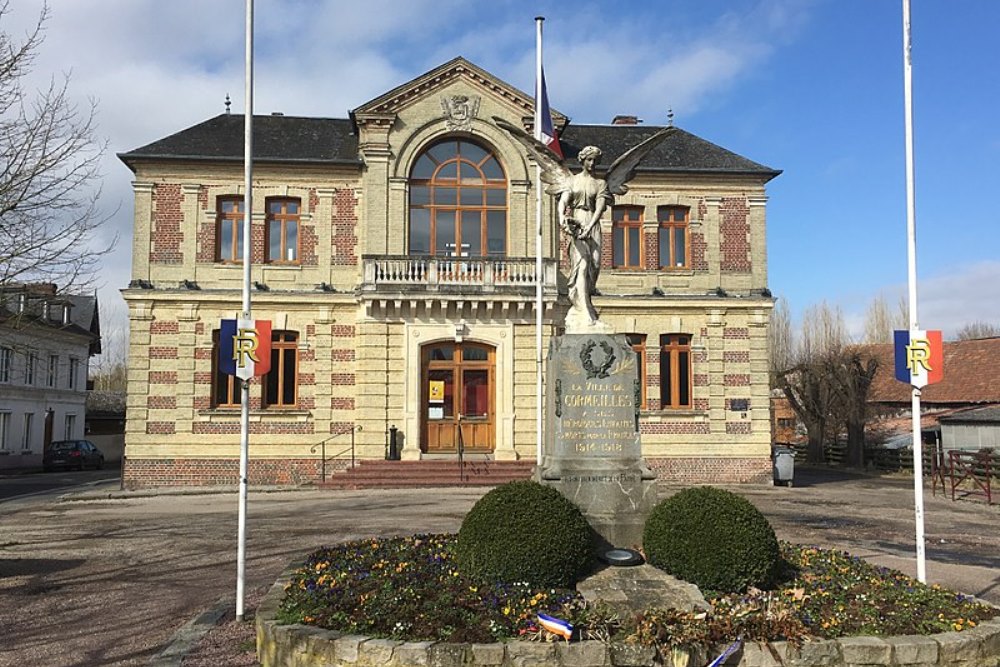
{"type": "Point", "coordinates": [592, 453]}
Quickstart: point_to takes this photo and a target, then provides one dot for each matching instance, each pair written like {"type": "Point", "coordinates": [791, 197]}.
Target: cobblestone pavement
{"type": "Point", "coordinates": [108, 580]}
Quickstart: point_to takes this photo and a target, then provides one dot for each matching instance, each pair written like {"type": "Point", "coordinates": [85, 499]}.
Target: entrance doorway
{"type": "Point", "coordinates": [457, 398]}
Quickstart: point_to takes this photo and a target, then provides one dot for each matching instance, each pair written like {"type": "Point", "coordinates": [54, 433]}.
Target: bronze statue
{"type": "Point", "coordinates": [583, 198]}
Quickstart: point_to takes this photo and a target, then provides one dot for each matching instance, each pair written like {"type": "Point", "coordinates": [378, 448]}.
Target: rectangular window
{"type": "Point", "coordinates": [69, 430]}
{"type": "Point", "coordinates": [6, 363]}
{"type": "Point", "coordinates": [26, 433]}
{"type": "Point", "coordinates": [229, 230]}
{"type": "Point", "coordinates": [30, 364]}
{"type": "Point", "coordinates": [675, 371]}
{"type": "Point", "coordinates": [74, 370]}
{"type": "Point", "coordinates": [283, 231]}
{"type": "Point", "coordinates": [673, 237]}
{"type": "Point", "coordinates": [626, 237]}
{"type": "Point", "coordinates": [4, 431]}
{"type": "Point", "coordinates": [225, 388]}
{"type": "Point", "coordinates": [638, 343]}
{"type": "Point", "coordinates": [281, 382]}
{"type": "Point", "coordinates": [53, 372]}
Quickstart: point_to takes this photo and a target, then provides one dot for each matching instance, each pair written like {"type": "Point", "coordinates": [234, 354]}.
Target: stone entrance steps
{"type": "Point", "coordinates": [378, 474]}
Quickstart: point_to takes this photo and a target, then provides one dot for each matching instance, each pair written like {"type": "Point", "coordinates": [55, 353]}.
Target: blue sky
{"type": "Point", "coordinates": [812, 87]}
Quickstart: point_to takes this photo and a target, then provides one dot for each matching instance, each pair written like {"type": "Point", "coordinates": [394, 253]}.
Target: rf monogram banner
{"type": "Point", "coordinates": [245, 347]}
{"type": "Point", "coordinates": [919, 357]}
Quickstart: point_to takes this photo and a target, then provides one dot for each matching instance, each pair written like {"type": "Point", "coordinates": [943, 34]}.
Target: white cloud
{"type": "Point", "coordinates": [945, 301]}
{"type": "Point", "coordinates": [157, 67]}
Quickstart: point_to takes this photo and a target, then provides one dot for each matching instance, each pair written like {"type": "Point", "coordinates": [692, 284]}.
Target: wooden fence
{"type": "Point", "coordinates": [960, 474]}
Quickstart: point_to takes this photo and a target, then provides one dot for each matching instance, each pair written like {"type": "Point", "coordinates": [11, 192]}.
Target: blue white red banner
{"type": "Point", "coordinates": [919, 357]}
{"type": "Point", "coordinates": [245, 347]}
{"type": "Point", "coordinates": [548, 131]}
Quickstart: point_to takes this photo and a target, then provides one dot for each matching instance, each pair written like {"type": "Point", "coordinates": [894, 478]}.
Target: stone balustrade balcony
{"type": "Point", "coordinates": [400, 282]}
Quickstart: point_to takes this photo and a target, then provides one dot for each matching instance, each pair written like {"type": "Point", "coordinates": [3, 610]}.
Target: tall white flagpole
{"type": "Point", "coordinates": [241, 551]}
{"type": "Point", "coordinates": [911, 251]}
{"type": "Point", "coordinates": [538, 245]}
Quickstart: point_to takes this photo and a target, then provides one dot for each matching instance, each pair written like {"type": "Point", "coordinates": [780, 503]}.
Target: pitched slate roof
{"type": "Point", "coordinates": [680, 152]}
{"type": "Point", "coordinates": [990, 415]}
{"type": "Point", "coordinates": [971, 368]}
{"type": "Point", "coordinates": [295, 139]}
{"type": "Point", "coordinates": [276, 139]}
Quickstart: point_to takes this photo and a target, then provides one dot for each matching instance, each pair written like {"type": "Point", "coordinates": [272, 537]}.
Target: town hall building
{"type": "Point", "coordinates": [393, 252]}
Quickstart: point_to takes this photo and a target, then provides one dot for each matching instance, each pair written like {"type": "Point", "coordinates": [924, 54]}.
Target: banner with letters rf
{"type": "Point", "coordinates": [919, 357]}
{"type": "Point", "coordinates": [245, 347]}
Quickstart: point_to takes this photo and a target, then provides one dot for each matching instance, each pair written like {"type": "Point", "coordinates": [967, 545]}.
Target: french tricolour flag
{"type": "Point", "coordinates": [548, 131]}
{"type": "Point", "coordinates": [556, 626]}
{"type": "Point", "coordinates": [919, 357]}
{"type": "Point", "coordinates": [245, 347]}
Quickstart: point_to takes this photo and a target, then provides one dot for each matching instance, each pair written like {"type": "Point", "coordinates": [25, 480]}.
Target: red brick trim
{"type": "Point", "coordinates": [690, 470]}
{"type": "Point", "coordinates": [146, 473]}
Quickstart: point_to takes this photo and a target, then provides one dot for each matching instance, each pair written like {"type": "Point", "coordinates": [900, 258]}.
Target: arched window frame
{"type": "Point", "coordinates": [453, 182]}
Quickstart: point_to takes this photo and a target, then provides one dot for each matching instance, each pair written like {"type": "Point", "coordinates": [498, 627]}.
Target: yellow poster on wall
{"type": "Point", "coordinates": [435, 391]}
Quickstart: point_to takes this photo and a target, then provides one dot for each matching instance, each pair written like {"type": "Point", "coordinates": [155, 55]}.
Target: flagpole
{"type": "Point", "coordinates": [538, 245]}
{"type": "Point", "coordinates": [911, 251]}
{"type": "Point", "coordinates": [241, 555]}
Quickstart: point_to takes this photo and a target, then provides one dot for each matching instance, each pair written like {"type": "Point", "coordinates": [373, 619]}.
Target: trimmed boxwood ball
{"type": "Point", "coordinates": [524, 531]}
{"type": "Point", "coordinates": [712, 538]}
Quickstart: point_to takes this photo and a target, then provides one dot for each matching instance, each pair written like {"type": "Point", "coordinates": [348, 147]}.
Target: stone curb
{"type": "Point", "coordinates": [189, 634]}
{"type": "Point", "coordinates": [306, 646]}
{"type": "Point", "coordinates": [116, 494]}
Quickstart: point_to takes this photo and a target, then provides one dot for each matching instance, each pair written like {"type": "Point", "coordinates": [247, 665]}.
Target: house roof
{"type": "Point", "coordinates": [970, 371]}
{"type": "Point", "coordinates": [334, 141]}
{"type": "Point", "coordinates": [275, 139]}
{"type": "Point", "coordinates": [990, 415]}
{"type": "Point", "coordinates": [84, 316]}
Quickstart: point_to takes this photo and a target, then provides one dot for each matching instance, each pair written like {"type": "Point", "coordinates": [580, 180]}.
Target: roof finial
{"type": "Point", "coordinates": [229, 103]}
{"type": "Point", "coordinates": [670, 117]}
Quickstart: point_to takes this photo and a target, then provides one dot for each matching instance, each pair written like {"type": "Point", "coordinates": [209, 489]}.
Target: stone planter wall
{"type": "Point", "coordinates": [306, 646]}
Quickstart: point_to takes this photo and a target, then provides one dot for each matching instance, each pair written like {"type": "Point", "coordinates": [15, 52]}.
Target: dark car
{"type": "Point", "coordinates": [77, 454]}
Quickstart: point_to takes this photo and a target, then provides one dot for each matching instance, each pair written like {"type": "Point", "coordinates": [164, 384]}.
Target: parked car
{"type": "Point", "coordinates": [77, 454]}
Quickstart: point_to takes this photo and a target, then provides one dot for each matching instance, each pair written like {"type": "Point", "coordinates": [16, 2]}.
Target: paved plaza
{"type": "Point", "coordinates": [108, 578]}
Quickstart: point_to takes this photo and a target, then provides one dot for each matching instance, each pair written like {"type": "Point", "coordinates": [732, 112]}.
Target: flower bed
{"type": "Point", "coordinates": [403, 601]}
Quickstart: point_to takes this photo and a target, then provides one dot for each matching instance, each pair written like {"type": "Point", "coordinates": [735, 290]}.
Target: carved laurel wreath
{"type": "Point", "coordinates": [592, 370]}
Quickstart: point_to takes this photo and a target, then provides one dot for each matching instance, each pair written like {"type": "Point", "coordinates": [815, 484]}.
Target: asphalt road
{"type": "Point", "coordinates": [108, 580]}
{"type": "Point", "coordinates": [23, 485]}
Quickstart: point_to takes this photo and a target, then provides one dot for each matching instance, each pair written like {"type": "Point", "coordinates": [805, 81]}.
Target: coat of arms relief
{"type": "Point", "coordinates": [459, 110]}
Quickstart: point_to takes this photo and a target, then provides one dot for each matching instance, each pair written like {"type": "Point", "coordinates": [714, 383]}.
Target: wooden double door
{"type": "Point", "coordinates": [457, 397]}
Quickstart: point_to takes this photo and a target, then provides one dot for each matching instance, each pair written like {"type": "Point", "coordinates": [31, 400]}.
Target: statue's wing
{"type": "Point", "coordinates": [554, 172]}
{"type": "Point", "coordinates": [622, 170]}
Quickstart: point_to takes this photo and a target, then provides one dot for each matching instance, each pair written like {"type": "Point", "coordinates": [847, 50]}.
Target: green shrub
{"type": "Point", "coordinates": [523, 531]}
{"type": "Point", "coordinates": [712, 538]}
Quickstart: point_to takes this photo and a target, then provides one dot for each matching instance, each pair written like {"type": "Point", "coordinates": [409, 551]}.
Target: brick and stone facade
{"type": "Point", "coordinates": [363, 310]}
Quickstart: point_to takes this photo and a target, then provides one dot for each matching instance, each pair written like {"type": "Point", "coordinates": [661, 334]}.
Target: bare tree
{"type": "Point", "coordinates": [977, 329]}
{"type": "Point", "coordinates": [807, 381]}
{"type": "Point", "coordinates": [851, 372]}
{"type": "Point", "coordinates": [779, 340]}
{"type": "Point", "coordinates": [823, 331]}
{"type": "Point", "coordinates": [49, 178]}
{"type": "Point", "coordinates": [881, 321]}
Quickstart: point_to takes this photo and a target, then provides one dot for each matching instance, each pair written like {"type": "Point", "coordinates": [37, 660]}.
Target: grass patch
{"type": "Point", "coordinates": [411, 588]}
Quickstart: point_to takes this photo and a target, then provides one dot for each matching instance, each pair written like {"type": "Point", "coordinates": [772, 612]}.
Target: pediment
{"type": "Point", "coordinates": [439, 79]}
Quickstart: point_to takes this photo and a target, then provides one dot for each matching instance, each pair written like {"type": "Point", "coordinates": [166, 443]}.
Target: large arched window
{"type": "Point", "coordinates": [458, 202]}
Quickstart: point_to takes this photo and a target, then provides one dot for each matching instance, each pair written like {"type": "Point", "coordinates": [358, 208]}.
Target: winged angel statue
{"type": "Point", "coordinates": [583, 198]}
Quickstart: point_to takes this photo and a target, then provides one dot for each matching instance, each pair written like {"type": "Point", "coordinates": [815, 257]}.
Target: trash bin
{"type": "Point", "coordinates": [784, 464]}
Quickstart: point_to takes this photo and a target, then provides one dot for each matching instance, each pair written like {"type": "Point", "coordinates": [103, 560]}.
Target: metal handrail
{"type": "Point", "coordinates": [322, 446]}
{"type": "Point", "coordinates": [461, 451]}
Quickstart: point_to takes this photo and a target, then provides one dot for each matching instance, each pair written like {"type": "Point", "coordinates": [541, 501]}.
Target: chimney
{"type": "Point", "coordinates": [626, 120]}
